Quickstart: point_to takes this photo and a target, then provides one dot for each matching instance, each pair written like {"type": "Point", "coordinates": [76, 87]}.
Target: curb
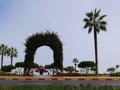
{"type": "Point", "coordinates": [60, 78]}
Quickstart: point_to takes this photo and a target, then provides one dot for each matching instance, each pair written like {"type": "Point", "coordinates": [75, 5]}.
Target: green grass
{"type": "Point", "coordinates": [66, 87]}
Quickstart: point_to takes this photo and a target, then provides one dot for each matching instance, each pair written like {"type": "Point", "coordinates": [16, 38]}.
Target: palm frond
{"type": "Point", "coordinates": [96, 13]}
{"type": "Point", "coordinates": [85, 20]}
{"type": "Point", "coordinates": [103, 22]}
{"type": "Point", "coordinates": [89, 14]}
{"type": "Point", "coordinates": [3, 49]}
{"type": "Point", "coordinates": [12, 52]}
{"type": "Point", "coordinates": [86, 23]}
{"type": "Point", "coordinates": [101, 17]}
{"type": "Point", "coordinates": [94, 19]}
{"type": "Point", "coordinates": [90, 29]}
{"type": "Point", "coordinates": [99, 11]}
{"type": "Point", "coordinates": [102, 27]}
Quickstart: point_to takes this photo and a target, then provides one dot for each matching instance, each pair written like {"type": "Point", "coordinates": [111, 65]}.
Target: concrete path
{"type": "Point", "coordinates": [57, 78]}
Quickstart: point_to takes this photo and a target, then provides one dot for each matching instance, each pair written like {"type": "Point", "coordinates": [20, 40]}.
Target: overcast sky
{"type": "Point", "coordinates": [22, 18]}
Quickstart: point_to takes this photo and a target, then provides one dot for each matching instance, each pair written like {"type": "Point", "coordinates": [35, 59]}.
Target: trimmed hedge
{"type": "Point", "coordinates": [44, 39]}
{"type": "Point", "coordinates": [7, 68]}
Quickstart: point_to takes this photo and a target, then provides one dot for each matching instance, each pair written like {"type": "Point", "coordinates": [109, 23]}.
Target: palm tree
{"type": "Point", "coordinates": [3, 52]}
{"type": "Point", "coordinates": [75, 61]}
{"type": "Point", "coordinates": [95, 22]}
{"type": "Point", "coordinates": [12, 52]}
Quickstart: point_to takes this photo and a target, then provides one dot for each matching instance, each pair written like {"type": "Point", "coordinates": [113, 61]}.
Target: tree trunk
{"type": "Point", "coordinates": [96, 51]}
{"type": "Point", "coordinates": [1, 60]}
{"type": "Point", "coordinates": [11, 60]}
{"type": "Point", "coordinates": [75, 67]}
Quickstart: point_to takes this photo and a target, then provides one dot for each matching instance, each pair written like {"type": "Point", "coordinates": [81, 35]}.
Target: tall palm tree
{"type": "Point", "coordinates": [94, 21]}
{"type": "Point", "coordinates": [75, 61]}
{"type": "Point", "coordinates": [3, 52]}
{"type": "Point", "coordinates": [12, 52]}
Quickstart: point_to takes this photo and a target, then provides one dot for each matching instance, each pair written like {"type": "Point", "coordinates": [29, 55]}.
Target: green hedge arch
{"type": "Point", "coordinates": [49, 39]}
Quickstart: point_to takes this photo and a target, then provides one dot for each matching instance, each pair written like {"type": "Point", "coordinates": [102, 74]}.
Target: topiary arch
{"type": "Point", "coordinates": [49, 39]}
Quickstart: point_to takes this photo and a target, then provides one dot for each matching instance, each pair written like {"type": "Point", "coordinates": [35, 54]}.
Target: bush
{"type": "Point", "coordinates": [8, 68]}
{"type": "Point", "coordinates": [115, 74]}
{"type": "Point", "coordinates": [69, 69]}
{"type": "Point", "coordinates": [8, 74]}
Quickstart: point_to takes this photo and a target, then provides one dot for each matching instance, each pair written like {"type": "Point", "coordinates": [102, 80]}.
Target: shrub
{"type": "Point", "coordinates": [8, 68]}
{"type": "Point", "coordinates": [69, 69]}
{"type": "Point", "coordinates": [115, 74]}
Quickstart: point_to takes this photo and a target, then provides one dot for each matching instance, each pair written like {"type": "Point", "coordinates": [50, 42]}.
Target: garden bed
{"type": "Point", "coordinates": [73, 74]}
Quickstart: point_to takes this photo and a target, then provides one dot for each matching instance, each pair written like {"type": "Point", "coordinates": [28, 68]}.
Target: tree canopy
{"type": "Point", "coordinates": [69, 68]}
{"type": "Point", "coordinates": [22, 64]}
{"type": "Point", "coordinates": [85, 64]}
{"type": "Point", "coordinates": [111, 70]}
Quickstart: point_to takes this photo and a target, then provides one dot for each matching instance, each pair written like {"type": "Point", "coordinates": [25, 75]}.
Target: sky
{"type": "Point", "coordinates": [22, 18]}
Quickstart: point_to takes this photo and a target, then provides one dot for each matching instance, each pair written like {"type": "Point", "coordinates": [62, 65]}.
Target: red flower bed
{"type": "Point", "coordinates": [73, 74]}
{"type": "Point", "coordinates": [68, 74]}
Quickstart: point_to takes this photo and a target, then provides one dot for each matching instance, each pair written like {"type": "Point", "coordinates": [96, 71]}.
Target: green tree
{"type": "Point", "coordinates": [22, 65]}
{"type": "Point", "coordinates": [12, 52]}
{"type": "Point", "coordinates": [75, 61]}
{"type": "Point", "coordinates": [19, 64]}
{"type": "Point", "coordinates": [86, 65]}
{"type": "Point", "coordinates": [111, 70]}
{"type": "Point", "coordinates": [94, 21]}
{"type": "Point", "coordinates": [3, 52]}
{"type": "Point", "coordinates": [69, 69]}
{"type": "Point", "coordinates": [117, 66]}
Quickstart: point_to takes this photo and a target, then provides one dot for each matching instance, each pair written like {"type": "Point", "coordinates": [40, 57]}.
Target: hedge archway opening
{"type": "Point", "coordinates": [43, 56]}
{"type": "Point", "coordinates": [37, 40]}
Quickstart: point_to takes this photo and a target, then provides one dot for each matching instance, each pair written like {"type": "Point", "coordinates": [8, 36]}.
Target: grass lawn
{"type": "Point", "coordinates": [66, 87]}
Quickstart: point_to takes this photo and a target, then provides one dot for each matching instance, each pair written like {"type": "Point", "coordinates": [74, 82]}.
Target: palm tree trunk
{"type": "Point", "coordinates": [11, 60]}
{"type": "Point", "coordinates": [75, 67]}
{"type": "Point", "coordinates": [1, 60]}
{"type": "Point", "coordinates": [96, 51]}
